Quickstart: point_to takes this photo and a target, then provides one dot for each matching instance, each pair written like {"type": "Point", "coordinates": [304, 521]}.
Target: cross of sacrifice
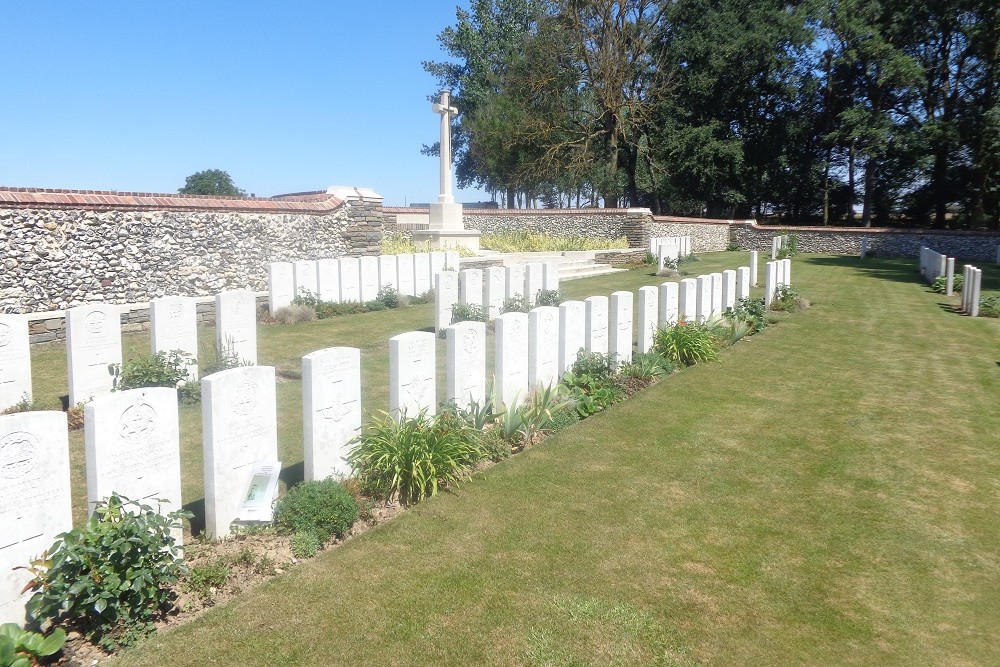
{"type": "Point", "coordinates": [443, 107]}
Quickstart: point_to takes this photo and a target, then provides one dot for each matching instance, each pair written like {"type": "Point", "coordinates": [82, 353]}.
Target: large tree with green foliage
{"type": "Point", "coordinates": [211, 182]}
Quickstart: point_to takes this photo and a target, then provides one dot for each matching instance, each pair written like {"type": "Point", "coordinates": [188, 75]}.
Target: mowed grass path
{"type": "Point", "coordinates": [828, 493]}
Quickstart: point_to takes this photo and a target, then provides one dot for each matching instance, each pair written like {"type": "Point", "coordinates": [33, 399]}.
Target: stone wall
{"type": "Point", "coordinates": [706, 235]}
{"type": "Point", "coordinates": [593, 223]}
{"type": "Point", "coordinates": [65, 248]}
{"type": "Point", "coordinates": [882, 242]}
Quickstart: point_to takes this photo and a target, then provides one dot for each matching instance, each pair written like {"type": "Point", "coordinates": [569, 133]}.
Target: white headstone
{"type": "Point", "coordinates": [438, 261]}
{"type": "Point", "coordinates": [511, 360]}
{"type": "Point", "coordinates": [412, 374]}
{"type": "Point", "coordinates": [470, 287]}
{"type": "Point", "coordinates": [779, 272]}
{"type": "Point", "coordinates": [421, 273]}
{"type": "Point", "coordinates": [950, 277]}
{"type": "Point", "coordinates": [350, 279]}
{"type": "Point", "coordinates": [687, 299]}
{"type": "Point", "coordinates": [620, 327]}
{"type": "Point", "coordinates": [445, 297]}
{"type": "Point", "coordinates": [743, 283]}
{"type": "Point", "coordinates": [35, 503]}
{"type": "Point", "coordinates": [280, 285]}
{"type": "Point", "coordinates": [132, 444]}
{"type": "Point", "coordinates": [239, 431]}
{"type": "Point", "coordinates": [572, 318]}
{"type": "Point", "coordinates": [331, 409]}
{"type": "Point", "coordinates": [550, 276]}
{"type": "Point", "coordinates": [515, 281]}
{"type": "Point", "coordinates": [753, 268]}
{"type": "Point", "coordinates": [669, 310]}
{"type": "Point", "coordinates": [236, 324]}
{"type": "Point", "coordinates": [368, 274]}
{"type": "Point", "coordinates": [534, 281]}
{"type": "Point", "coordinates": [864, 247]}
{"type": "Point", "coordinates": [596, 329]}
{"type": "Point", "coordinates": [305, 278]}
{"type": "Point", "coordinates": [387, 272]}
{"type": "Point", "coordinates": [494, 291]}
{"type": "Point", "coordinates": [786, 272]}
{"type": "Point", "coordinates": [404, 274]}
{"type": "Point", "coordinates": [703, 299]}
{"type": "Point", "coordinates": [543, 346]}
{"type": "Point", "coordinates": [717, 308]}
{"type": "Point", "coordinates": [466, 370]}
{"type": "Point", "coordinates": [728, 290]}
{"type": "Point", "coordinates": [15, 360]}
{"type": "Point", "coordinates": [93, 343]}
{"type": "Point", "coordinates": [648, 310]}
{"type": "Point", "coordinates": [770, 283]}
{"type": "Point", "coordinates": [775, 245]}
{"type": "Point", "coordinates": [451, 258]}
{"type": "Point", "coordinates": [328, 279]}
{"type": "Point", "coordinates": [174, 326]}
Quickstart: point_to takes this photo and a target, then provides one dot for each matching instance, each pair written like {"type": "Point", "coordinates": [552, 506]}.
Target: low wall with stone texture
{"type": "Point", "coordinates": [882, 242]}
{"type": "Point", "coordinates": [64, 248]}
{"type": "Point", "coordinates": [706, 235]}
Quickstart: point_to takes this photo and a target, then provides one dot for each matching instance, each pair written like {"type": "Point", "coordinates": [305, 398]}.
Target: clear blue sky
{"type": "Point", "coordinates": [285, 96]}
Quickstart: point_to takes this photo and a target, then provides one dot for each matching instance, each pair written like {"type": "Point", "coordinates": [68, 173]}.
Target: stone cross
{"type": "Point", "coordinates": [447, 112]}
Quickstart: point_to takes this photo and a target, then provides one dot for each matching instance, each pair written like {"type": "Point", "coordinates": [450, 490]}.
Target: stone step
{"type": "Point", "coordinates": [587, 272]}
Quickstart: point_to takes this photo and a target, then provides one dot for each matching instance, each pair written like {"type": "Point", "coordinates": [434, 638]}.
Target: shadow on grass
{"type": "Point", "coordinates": [897, 269]}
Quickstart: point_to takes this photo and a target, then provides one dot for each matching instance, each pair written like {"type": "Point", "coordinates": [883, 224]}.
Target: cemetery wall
{"type": "Point", "coordinates": [706, 235]}
{"type": "Point", "coordinates": [884, 242]}
{"type": "Point", "coordinates": [64, 248]}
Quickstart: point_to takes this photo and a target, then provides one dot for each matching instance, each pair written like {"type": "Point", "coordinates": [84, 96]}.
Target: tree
{"type": "Point", "coordinates": [211, 182]}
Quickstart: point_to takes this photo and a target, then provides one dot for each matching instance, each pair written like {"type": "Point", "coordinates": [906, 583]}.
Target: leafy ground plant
{"type": "Point", "coordinates": [940, 284]}
{"type": "Point", "coordinates": [751, 312]}
{"type": "Point", "coordinates": [786, 298]}
{"type": "Point", "coordinates": [515, 304]}
{"type": "Point", "coordinates": [23, 648]}
{"type": "Point", "coordinates": [111, 578]}
{"type": "Point", "coordinates": [413, 458]}
{"type": "Point", "coordinates": [467, 312]}
{"type": "Point", "coordinates": [163, 369]}
{"type": "Point", "coordinates": [686, 343]}
{"type": "Point", "coordinates": [990, 306]}
{"type": "Point", "coordinates": [548, 297]}
{"type": "Point", "coordinates": [323, 508]}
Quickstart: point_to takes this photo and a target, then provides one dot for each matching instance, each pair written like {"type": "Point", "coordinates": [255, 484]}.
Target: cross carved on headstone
{"type": "Point", "coordinates": [447, 112]}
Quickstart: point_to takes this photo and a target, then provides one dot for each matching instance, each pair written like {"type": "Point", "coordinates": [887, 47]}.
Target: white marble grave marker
{"type": "Point", "coordinates": [239, 430]}
{"type": "Point", "coordinates": [687, 299]}
{"type": "Point", "coordinates": [786, 272]}
{"type": "Point", "coordinates": [770, 283]}
{"type": "Point", "coordinates": [412, 374]}
{"type": "Point", "coordinates": [387, 272]}
{"type": "Point", "coordinates": [328, 279]}
{"type": "Point", "coordinates": [728, 290]}
{"type": "Point", "coordinates": [174, 327]}
{"type": "Point", "coordinates": [534, 281]}
{"type": "Point", "coordinates": [368, 274]}
{"type": "Point", "coordinates": [93, 344]}
{"type": "Point", "coordinates": [550, 276]}
{"type": "Point", "coordinates": [280, 286]}
{"type": "Point", "coordinates": [572, 328]}
{"type": "Point", "coordinates": [305, 278]}
{"type": "Point", "coordinates": [331, 409]}
{"type": "Point", "coordinates": [703, 299]}
{"type": "Point", "coordinates": [466, 370]}
{"type": "Point", "coordinates": [717, 309]}
{"type": "Point", "coordinates": [620, 327]}
{"type": "Point", "coordinates": [421, 273]}
{"type": "Point", "coordinates": [132, 444]}
{"type": "Point", "coordinates": [445, 298]}
{"type": "Point", "coordinates": [350, 279]}
{"type": "Point", "coordinates": [543, 346]}
{"type": "Point", "coordinates": [451, 260]}
{"type": "Point", "coordinates": [15, 360]}
{"type": "Point", "coordinates": [596, 329]}
{"type": "Point", "coordinates": [404, 274]}
{"type": "Point", "coordinates": [236, 324]}
{"type": "Point", "coordinates": [753, 268]}
{"type": "Point", "coordinates": [515, 281]}
{"type": "Point", "coordinates": [669, 308]}
{"type": "Point", "coordinates": [470, 287]}
{"type": "Point", "coordinates": [438, 261]}
{"type": "Point", "coordinates": [742, 283]}
{"type": "Point", "coordinates": [494, 291]}
{"type": "Point", "coordinates": [648, 309]}
{"type": "Point", "coordinates": [511, 360]}
{"type": "Point", "coordinates": [35, 503]}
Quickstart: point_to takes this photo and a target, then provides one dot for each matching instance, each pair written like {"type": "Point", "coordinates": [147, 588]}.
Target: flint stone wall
{"type": "Point", "coordinates": [59, 256]}
{"type": "Point", "coordinates": [706, 235]}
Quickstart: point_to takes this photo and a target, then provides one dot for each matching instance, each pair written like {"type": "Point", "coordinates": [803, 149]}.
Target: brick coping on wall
{"type": "Point", "coordinates": [517, 211]}
{"type": "Point", "coordinates": [105, 200]}
{"type": "Point", "coordinates": [786, 229]}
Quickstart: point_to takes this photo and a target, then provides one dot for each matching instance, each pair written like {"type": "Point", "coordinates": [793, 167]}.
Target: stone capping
{"type": "Point", "coordinates": [105, 200]}
{"type": "Point", "coordinates": [698, 221]}
{"type": "Point", "coordinates": [792, 229]}
{"type": "Point", "coordinates": [516, 212]}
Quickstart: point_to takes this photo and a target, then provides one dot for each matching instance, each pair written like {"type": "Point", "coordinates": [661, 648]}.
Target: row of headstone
{"type": "Point", "coordinates": [490, 288]}
{"type": "Point", "coordinates": [778, 275]}
{"type": "Point", "coordinates": [669, 247]}
{"type": "Point", "coordinates": [777, 243]}
{"type": "Point", "coordinates": [356, 278]}
{"type": "Point", "coordinates": [933, 264]}
{"type": "Point", "coordinates": [972, 286]}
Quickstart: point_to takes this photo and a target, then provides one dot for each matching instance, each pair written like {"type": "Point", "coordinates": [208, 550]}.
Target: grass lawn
{"type": "Point", "coordinates": [827, 493]}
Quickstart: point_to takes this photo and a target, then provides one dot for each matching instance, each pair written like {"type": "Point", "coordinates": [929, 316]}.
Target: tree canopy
{"type": "Point", "coordinates": [211, 182]}
{"type": "Point", "coordinates": [805, 111]}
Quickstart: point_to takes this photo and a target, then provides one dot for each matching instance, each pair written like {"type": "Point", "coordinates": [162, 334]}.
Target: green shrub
{"type": "Point", "coordinates": [790, 248]}
{"type": "Point", "coordinates": [411, 459]}
{"type": "Point", "coordinates": [189, 393]}
{"type": "Point", "coordinates": [328, 309]}
{"type": "Point", "coordinates": [295, 313]}
{"type": "Point", "coordinates": [650, 259]}
{"type": "Point", "coordinates": [691, 257]}
{"type": "Point", "coordinates": [163, 369]}
{"type": "Point", "coordinates": [750, 312]}
{"type": "Point", "coordinates": [733, 247]}
{"type": "Point", "coordinates": [594, 364]}
{"type": "Point", "coordinates": [201, 580]}
{"type": "Point", "coordinates": [225, 359]}
{"type": "Point", "coordinates": [396, 243]}
{"type": "Point", "coordinates": [591, 394]}
{"type": "Point", "coordinates": [323, 508]}
{"type": "Point", "coordinates": [548, 297]}
{"type": "Point", "coordinates": [388, 296]}
{"type": "Point", "coordinates": [686, 343]}
{"type": "Point", "coordinates": [788, 299]}
{"type": "Point", "coordinates": [110, 578]}
{"type": "Point", "coordinates": [990, 306]}
{"type": "Point", "coordinates": [467, 312]}
{"type": "Point", "coordinates": [23, 648]}
{"type": "Point", "coordinates": [26, 404]}
{"type": "Point", "coordinates": [374, 306]}
{"type": "Point", "coordinates": [940, 284]}
{"type": "Point", "coordinates": [646, 366]}
{"type": "Point", "coordinates": [515, 304]}
{"type": "Point", "coordinates": [305, 544]}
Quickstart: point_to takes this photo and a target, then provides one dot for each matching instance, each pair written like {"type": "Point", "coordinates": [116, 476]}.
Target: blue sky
{"type": "Point", "coordinates": [285, 96]}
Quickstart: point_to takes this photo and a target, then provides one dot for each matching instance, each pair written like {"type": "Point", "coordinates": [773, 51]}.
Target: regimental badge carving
{"type": "Point", "coordinates": [18, 454]}
{"type": "Point", "coordinates": [239, 304]}
{"type": "Point", "coordinates": [417, 389]}
{"type": "Point", "coordinates": [6, 334]}
{"type": "Point", "coordinates": [96, 321]}
{"type": "Point", "coordinates": [137, 423]}
{"type": "Point", "coordinates": [471, 341]}
{"type": "Point", "coordinates": [515, 327]}
{"type": "Point", "coordinates": [339, 407]}
{"type": "Point", "coordinates": [548, 324]}
{"type": "Point", "coordinates": [176, 311]}
{"type": "Point", "coordinates": [246, 398]}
